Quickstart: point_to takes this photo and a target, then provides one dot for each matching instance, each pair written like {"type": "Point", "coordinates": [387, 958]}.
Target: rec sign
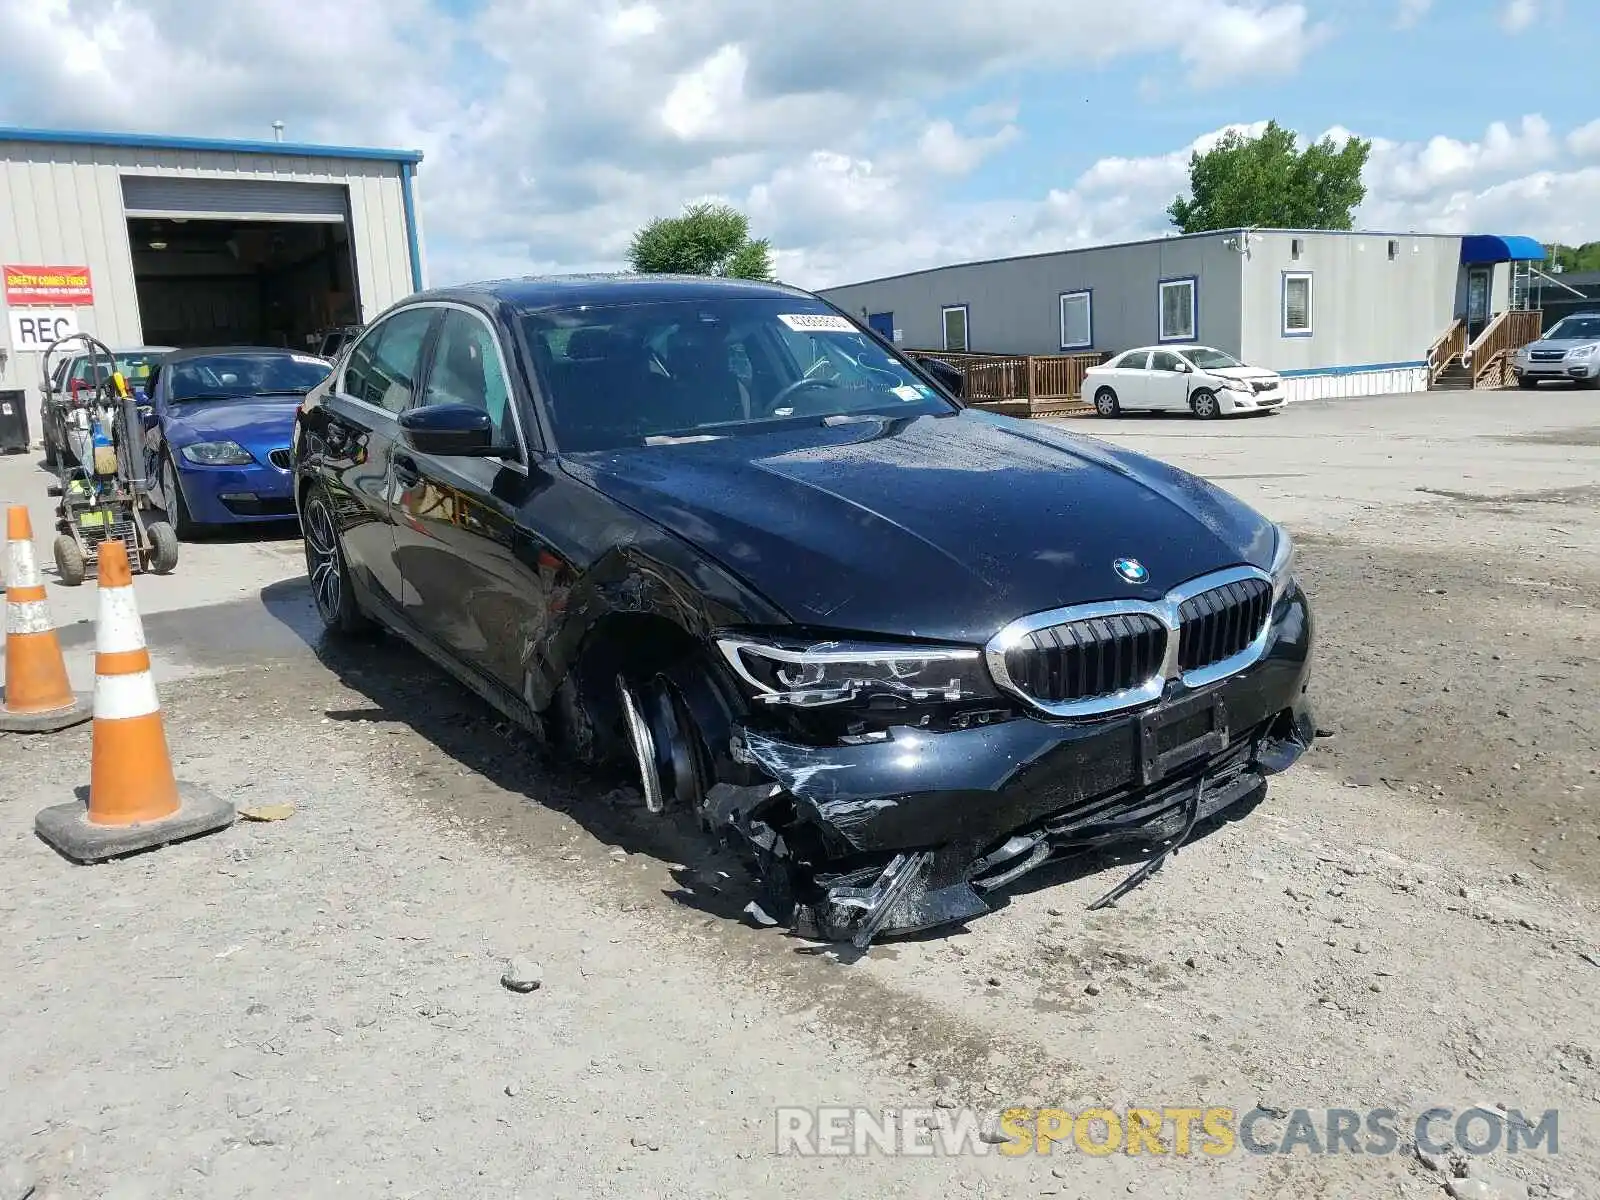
{"type": "Point", "coordinates": [36, 328]}
{"type": "Point", "coordinates": [33, 284]}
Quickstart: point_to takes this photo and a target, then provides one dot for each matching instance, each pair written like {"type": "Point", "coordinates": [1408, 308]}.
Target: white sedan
{"type": "Point", "coordinates": [1198, 379]}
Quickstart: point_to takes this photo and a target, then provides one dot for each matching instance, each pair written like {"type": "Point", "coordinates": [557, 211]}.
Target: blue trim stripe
{"type": "Point", "coordinates": [413, 242]}
{"type": "Point", "coordinates": [1360, 369]}
{"type": "Point", "coordinates": [146, 141]}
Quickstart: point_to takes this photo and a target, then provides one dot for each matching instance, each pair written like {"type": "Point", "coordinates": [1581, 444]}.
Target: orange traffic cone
{"type": "Point", "coordinates": [135, 803]}
{"type": "Point", "coordinates": [37, 697]}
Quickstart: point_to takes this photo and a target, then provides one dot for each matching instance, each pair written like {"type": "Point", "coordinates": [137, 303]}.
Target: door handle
{"type": "Point", "coordinates": [406, 471]}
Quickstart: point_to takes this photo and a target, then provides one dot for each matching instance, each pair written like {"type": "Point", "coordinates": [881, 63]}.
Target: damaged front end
{"type": "Point", "coordinates": [883, 790]}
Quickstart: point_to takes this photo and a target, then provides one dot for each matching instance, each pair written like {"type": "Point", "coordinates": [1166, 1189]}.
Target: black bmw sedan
{"type": "Point", "coordinates": [899, 651]}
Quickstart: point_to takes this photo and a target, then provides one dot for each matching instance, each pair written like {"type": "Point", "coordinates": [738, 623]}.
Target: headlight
{"type": "Point", "coordinates": [1282, 570]}
{"type": "Point", "coordinates": [218, 454]}
{"type": "Point", "coordinates": [820, 673]}
{"type": "Point", "coordinates": [1581, 352]}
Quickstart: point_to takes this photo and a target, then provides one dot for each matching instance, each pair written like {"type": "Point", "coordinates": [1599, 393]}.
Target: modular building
{"type": "Point", "coordinates": [1338, 313]}
{"type": "Point", "coordinates": [143, 240]}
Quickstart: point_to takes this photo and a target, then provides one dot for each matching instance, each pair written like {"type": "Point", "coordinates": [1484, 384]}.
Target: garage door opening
{"type": "Point", "coordinates": [239, 262]}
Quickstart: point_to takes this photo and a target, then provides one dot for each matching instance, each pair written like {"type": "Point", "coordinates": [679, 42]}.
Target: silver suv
{"type": "Point", "coordinates": [1569, 350]}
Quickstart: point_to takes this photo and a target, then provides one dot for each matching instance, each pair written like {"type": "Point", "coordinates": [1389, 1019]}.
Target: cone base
{"type": "Point", "coordinates": [65, 828]}
{"type": "Point", "coordinates": [80, 710]}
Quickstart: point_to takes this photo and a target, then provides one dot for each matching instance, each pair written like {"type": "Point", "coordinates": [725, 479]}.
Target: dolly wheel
{"type": "Point", "coordinates": [163, 547]}
{"type": "Point", "coordinates": [69, 560]}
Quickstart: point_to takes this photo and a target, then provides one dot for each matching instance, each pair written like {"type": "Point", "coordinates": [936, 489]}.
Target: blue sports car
{"type": "Point", "coordinates": [217, 430]}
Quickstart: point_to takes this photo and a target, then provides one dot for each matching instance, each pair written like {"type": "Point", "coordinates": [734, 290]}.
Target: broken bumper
{"type": "Point", "coordinates": [909, 832]}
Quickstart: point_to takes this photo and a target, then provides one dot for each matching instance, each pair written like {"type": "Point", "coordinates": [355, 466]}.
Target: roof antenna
{"type": "Point", "coordinates": [277, 131]}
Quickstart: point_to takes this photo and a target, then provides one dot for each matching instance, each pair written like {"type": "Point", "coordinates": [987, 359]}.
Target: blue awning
{"type": "Point", "coordinates": [1492, 248]}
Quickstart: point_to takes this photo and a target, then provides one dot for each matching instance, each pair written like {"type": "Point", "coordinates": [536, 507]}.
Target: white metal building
{"type": "Point", "coordinates": [1337, 313]}
{"type": "Point", "coordinates": [144, 240]}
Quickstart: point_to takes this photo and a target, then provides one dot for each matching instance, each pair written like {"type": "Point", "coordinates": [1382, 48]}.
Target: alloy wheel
{"type": "Point", "coordinates": [322, 560]}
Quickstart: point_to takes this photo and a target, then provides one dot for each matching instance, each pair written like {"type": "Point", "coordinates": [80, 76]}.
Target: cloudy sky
{"type": "Point", "coordinates": [862, 138]}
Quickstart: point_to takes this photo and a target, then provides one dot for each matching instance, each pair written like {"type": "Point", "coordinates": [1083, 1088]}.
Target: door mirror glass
{"type": "Point", "coordinates": [951, 379]}
{"type": "Point", "coordinates": [448, 430]}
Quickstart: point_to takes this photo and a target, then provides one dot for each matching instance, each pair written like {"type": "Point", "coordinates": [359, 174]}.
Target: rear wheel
{"type": "Point", "coordinates": [1204, 404]}
{"type": "Point", "coordinates": [1105, 403]}
{"type": "Point", "coordinates": [327, 568]}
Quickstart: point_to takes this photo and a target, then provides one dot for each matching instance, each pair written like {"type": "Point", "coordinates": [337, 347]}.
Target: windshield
{"type": "Point", "coordinates": [1208, 359]}
{"type": "Point", "coordinates": [1574, 328]}
{"type": "Point", "coordinates": [229, 376]}
{"type": "Point", "coordinates": [645, 374]}
{"type": "Point", "coordinates": [135, 367]}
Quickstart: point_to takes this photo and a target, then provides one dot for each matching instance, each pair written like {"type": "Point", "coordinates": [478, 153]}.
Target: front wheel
{"type": "Point", "coordinates": [1525, 382]}
{"type": "Point", "coordinates": [172, 501]}
{"type": "Point", "coordinates": [1105, 403]}
{"type": "Point", "coordinates": [327, 568]}
{"type": "Point", "coordinates": [70, 565]}
{"type": "Point", "coordinates": [1204, 404]}
{"type": "Point", "coordinates": [163, 547]}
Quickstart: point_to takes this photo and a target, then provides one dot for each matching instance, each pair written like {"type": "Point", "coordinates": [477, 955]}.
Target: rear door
{"type": "Point", "coordinates": [1130, 379]}
{"type": "Point", "coordinates": [375, 385]}
{"type": "Point", "coordinates": [471, 586]}
{"type": "Point", "coordinates": [1166, 385]}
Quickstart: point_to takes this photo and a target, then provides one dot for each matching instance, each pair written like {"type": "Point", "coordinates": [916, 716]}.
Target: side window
{"type": "Point", "coordinates": [1163, 360]}
{"type": "Point", "coordinates": [1134, 360]}
{"type": "Point", "coordinates": [466, 370]}
{"type": "Point", "coordinates": [382, 370]}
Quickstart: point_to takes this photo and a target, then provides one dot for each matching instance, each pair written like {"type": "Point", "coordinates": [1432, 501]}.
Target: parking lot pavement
{"type": "Point", "coordinates": [312, 1007]}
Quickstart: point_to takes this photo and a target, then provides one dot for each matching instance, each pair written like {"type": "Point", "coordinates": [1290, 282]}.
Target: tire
{"type": "Point", "coordinates": [176, 508]}
{"type": "Point", "coordinates": [70, 565]}
{"type": "Point", "coordinates": [163, 547]}
{"type": "Point", "coordinates": [50, 458]}
{"type": "Point", "coordinates": [1526, 383]}
{"type": "Point", "coordinates": [328, 570]}
{"type": "Point", "coordinates": [1105, 403]}
{"type": "Point", "coordinates": [1203, 403]}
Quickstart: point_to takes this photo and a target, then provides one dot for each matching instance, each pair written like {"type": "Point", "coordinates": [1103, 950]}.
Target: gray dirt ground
{"type": "Point", "coordinates": [312, 1008]}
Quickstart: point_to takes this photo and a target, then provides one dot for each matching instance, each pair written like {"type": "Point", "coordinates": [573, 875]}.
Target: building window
{"type": "Point", "coordinates": [1179, 314]}
{"type": "Point", "coordinates": [1296, 304]}
{"type": "Point", "coordinates": [1394, 249]}
{"type": "Point", "coordinates": [1077, 320]}
{"type": "Point", "coordinates": [1295, 247]}
{"type": "Point", "coordinates": [954, 317]}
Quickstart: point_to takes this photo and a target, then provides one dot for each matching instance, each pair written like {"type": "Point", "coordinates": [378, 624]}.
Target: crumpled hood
{"type": "Point", "coordinates": [257, 423]}
{"type": "Point", "coordinates": [1242, 372]}
{"type": "Point", "coordinates": [933, 527]}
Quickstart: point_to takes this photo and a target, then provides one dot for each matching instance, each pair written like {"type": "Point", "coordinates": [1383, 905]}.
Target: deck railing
{"type": "Point", "coordinates": [1030, 385]}
{"type": "Point", "coordinates": [1489, 356]}
{"type": "Point", "coordinates": [1452, 342]}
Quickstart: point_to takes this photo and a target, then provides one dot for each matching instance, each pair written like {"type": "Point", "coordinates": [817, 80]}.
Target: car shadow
{"type": "Point", "coordinates": [402, 686]}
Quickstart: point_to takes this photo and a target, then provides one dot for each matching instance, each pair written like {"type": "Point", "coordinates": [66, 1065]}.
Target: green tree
{"type": "Point", "coordinates": [1267, 181]}
{"type": "Point", "coordinates": [1573, 258]}
{"type": "Point", "coordinates": [708, 239]}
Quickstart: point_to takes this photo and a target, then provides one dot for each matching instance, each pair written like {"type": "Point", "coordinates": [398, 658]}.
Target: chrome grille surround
{"type": "Point", "coordinates": [1167, 610]}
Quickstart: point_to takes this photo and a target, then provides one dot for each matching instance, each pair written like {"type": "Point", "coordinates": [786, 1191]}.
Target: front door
{"type": "Point", "coordinates": [359, 434]}
{"type": "Point", "coordinates": [467, 586]}
{"type": "Point", "coordinates": [1478, 282]}
{"type": "Point", "coordinates": [1167, 386]}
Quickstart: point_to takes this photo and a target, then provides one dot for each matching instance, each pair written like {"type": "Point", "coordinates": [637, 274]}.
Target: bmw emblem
{"type": "Point", "coordinates": [1131, 570]}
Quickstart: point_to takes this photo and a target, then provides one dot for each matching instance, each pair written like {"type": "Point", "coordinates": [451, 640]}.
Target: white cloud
{"type": "Point", "coordinates": [1517, 15]}
{"type": "Point", "coordinates": [554, 128]}
{"type": "Point", "coordinates": [1412, 11]}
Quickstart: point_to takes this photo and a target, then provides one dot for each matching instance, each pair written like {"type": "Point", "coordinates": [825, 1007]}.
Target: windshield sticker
{"type": "Point", "coordinates": [817, 323]}
{"type": "Point", "coordinates": [907, 392]}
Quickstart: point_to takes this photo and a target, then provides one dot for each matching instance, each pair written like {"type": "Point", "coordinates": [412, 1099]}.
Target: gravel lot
{"type": "Point", "coordinates": [313, 1007]}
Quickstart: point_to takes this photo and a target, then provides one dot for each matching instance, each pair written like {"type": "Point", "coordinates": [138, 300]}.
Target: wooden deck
{"type": "Point", "coordinates": [1026, 385]}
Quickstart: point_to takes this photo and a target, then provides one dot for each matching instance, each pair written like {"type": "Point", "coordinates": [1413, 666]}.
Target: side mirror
{"type": "Point", "coordinates": [449, 430]}
{"type": "Point", "coordinates": [1184, 368]}
{"type": "Point", "coordinates": [951, 379]}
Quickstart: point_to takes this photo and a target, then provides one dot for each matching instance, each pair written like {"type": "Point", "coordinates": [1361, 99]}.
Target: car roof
{"type": "Point", "coordinates": [558, 291]}
{"type": "Point", "coordinates": [192, 352]}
